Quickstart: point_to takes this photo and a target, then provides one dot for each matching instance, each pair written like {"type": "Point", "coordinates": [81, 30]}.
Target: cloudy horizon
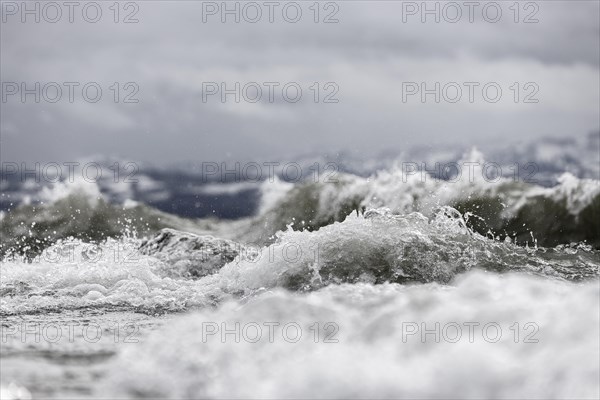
{"type": "Point", "coordinates": [178, 54]}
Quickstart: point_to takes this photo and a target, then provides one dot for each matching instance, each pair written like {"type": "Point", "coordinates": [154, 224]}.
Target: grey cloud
{"type": "Point", "coordinates": [170, 52]}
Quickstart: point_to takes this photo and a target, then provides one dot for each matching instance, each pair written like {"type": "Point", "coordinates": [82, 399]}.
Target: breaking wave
{"type": "Point", "coordinates": [356, 260]}
{"type": "Point", "coordinates": [566, 213]}
{"type": "Point", "coordinates": [177, 271]}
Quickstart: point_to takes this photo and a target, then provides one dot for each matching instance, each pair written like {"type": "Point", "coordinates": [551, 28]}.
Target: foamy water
{"type": "Point", "coordinates": [389, 285]}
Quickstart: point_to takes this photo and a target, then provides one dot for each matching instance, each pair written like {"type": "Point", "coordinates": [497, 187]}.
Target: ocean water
{"type": "Point", "coordinates": [378, 284]}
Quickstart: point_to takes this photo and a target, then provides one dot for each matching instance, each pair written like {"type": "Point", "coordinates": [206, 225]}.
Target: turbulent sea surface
{"type": "Point", "coordinates": [378, 283]}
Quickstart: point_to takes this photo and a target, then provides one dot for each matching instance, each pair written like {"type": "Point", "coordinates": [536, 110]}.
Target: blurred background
{"type": "Point", "coordinates": [169, 51]}
{"type": "Point", "coordinates": [174, 99]}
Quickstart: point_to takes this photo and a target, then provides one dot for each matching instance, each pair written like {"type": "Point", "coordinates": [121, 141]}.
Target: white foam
{"type": "Point", "coordinates": [79, 186]}
{"type": "Point", "coordinates": [370, 359]}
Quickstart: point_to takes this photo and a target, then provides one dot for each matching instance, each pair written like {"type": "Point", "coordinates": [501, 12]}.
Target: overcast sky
{"type": "Point", "coordinates": [372, 57]}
